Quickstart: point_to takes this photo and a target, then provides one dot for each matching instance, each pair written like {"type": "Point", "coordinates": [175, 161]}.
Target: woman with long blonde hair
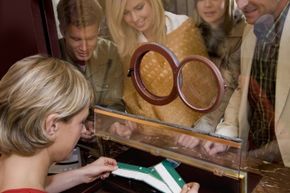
{"type": "Point", "coordinates": [133, 22]}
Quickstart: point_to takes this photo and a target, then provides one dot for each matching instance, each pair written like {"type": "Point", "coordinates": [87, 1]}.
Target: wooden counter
{"type": "Point", "coordinates": [274, 178]}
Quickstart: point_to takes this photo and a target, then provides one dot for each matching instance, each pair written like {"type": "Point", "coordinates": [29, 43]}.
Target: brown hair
{"type": "Point", "coordinates": [80, 13]}
{"type": "Point", "coordinates": [231, 14]}
{"type": "Point", "coordinates": [213, 37]}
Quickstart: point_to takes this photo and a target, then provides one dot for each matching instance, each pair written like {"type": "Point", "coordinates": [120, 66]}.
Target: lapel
{"type": "Point", "coordinates": [247, 53]}
{"type": "Point", "coordinates": [283, 71]}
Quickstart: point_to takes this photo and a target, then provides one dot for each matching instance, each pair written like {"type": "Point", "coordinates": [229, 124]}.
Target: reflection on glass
{"type": "Point", "coordinates": [199, 91]}
{"type": "Point", "coordinates": [161, 139]}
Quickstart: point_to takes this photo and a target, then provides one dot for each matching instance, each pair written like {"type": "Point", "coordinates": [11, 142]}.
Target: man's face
{"type": "Point", "coordinates": [81, 41]}
{"type": "Point", "coordinates": [253, 9]}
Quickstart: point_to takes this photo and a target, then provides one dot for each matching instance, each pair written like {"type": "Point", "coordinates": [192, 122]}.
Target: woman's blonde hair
{"type": "Point", "coordinates": [125, 36]}
{"type": "Point", "coordinates": [32, 89]}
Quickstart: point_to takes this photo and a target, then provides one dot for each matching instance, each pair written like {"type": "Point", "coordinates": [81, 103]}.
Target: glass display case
{"type": "Point", "coordinates": [151, 141]}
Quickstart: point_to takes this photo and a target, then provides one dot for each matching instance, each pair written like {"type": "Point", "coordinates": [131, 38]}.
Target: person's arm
{"type": "Point", "coordinates": [229, 127]}
{"type": "Point", "coordinates": [204, 124]}
{"type": "Point", "coordinates": [98, 169]}
{"type": "Point", "coordinates": [269, 152]}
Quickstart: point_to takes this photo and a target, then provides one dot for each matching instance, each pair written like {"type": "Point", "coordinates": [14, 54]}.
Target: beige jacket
{"type": "Point", "coordinates": [229, 65]}
{"type": "Point", "coordinates": [236, 115]}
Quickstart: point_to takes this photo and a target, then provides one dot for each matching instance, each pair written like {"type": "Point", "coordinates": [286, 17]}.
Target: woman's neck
{"type": "Point", "coordinates": [23, 171]}
{"type": "Point", "coordinates": [214, 26]}
{"type": "Point", "coordinates": [148, 36]}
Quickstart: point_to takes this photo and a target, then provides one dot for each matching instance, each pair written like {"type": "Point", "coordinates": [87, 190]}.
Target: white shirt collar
{"type": "Point", "coordinates": [173, 21]}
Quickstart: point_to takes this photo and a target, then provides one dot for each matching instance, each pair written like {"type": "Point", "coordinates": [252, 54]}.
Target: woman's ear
{"type": "Point", "coordinates": [51, 125]}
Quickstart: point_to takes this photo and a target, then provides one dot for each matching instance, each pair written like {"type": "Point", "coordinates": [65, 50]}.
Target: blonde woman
{"type": "Point", "coordinates": [133, 22]}
{"type": "Point", "coordinates": [41, 120]}
{"type": "Point", "coordinates": [44, 103]}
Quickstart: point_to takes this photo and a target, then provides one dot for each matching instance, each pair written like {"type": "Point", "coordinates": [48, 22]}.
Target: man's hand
{"type": "Point", "coordinates": [214, 148]}
{"type": "Point", "coordinates": [192, 187]}
{"type": "Point", "coordinates": [187, 141]}
{"type": "Point", "coordinates": [123, 129]}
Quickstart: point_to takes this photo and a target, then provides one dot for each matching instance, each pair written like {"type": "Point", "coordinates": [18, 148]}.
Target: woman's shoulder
{"type": "Point", "coordinates": [175, 17]}
{"type": "Point", "coordinates": [238, 27]}
{"type": "Point", "coordinates": [173, 21]}
{"type": "Point", "coordinates": [105, 43]}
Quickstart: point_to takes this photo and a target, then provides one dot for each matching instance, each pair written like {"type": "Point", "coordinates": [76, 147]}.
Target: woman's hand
{"type": "Point", "coordinates": [191, 187]}
{"type": "Point", "coordinates": [214, 148]}
{"type": "Point", "coordinates": [99, 169]}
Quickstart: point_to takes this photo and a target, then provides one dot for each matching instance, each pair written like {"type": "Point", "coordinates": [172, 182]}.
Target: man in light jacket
{"type": "Point", "coordinates": [259, 110]}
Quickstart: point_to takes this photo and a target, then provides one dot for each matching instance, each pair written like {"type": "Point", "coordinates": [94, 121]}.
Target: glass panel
{"type": "Point", "coordinates": [158, 67]}
{"type": "Point", "coordinates": [161, 139]}
{"type": "Point", "coordinates": [200, 83]}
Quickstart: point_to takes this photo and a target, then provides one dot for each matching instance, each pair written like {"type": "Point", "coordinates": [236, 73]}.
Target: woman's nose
{"type": "Point", "coordinates": [134, 16]}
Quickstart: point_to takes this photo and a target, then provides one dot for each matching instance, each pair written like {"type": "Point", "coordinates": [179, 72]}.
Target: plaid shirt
{"type": "Point", "coordinates": [262, 86]}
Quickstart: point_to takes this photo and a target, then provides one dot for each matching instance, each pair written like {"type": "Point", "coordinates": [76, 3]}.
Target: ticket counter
{"type": "Point", "coordinates": [154, 141]}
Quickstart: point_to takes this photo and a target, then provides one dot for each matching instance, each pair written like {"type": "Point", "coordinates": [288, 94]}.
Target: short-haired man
{"type": "Point", "coordinates": [97, 58]}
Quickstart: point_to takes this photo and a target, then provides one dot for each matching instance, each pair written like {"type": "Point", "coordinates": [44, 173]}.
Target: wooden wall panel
{"type": "Point", "coordinates": [27, 28]}
{"type": "Point", "coordinates": [179, 6]}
